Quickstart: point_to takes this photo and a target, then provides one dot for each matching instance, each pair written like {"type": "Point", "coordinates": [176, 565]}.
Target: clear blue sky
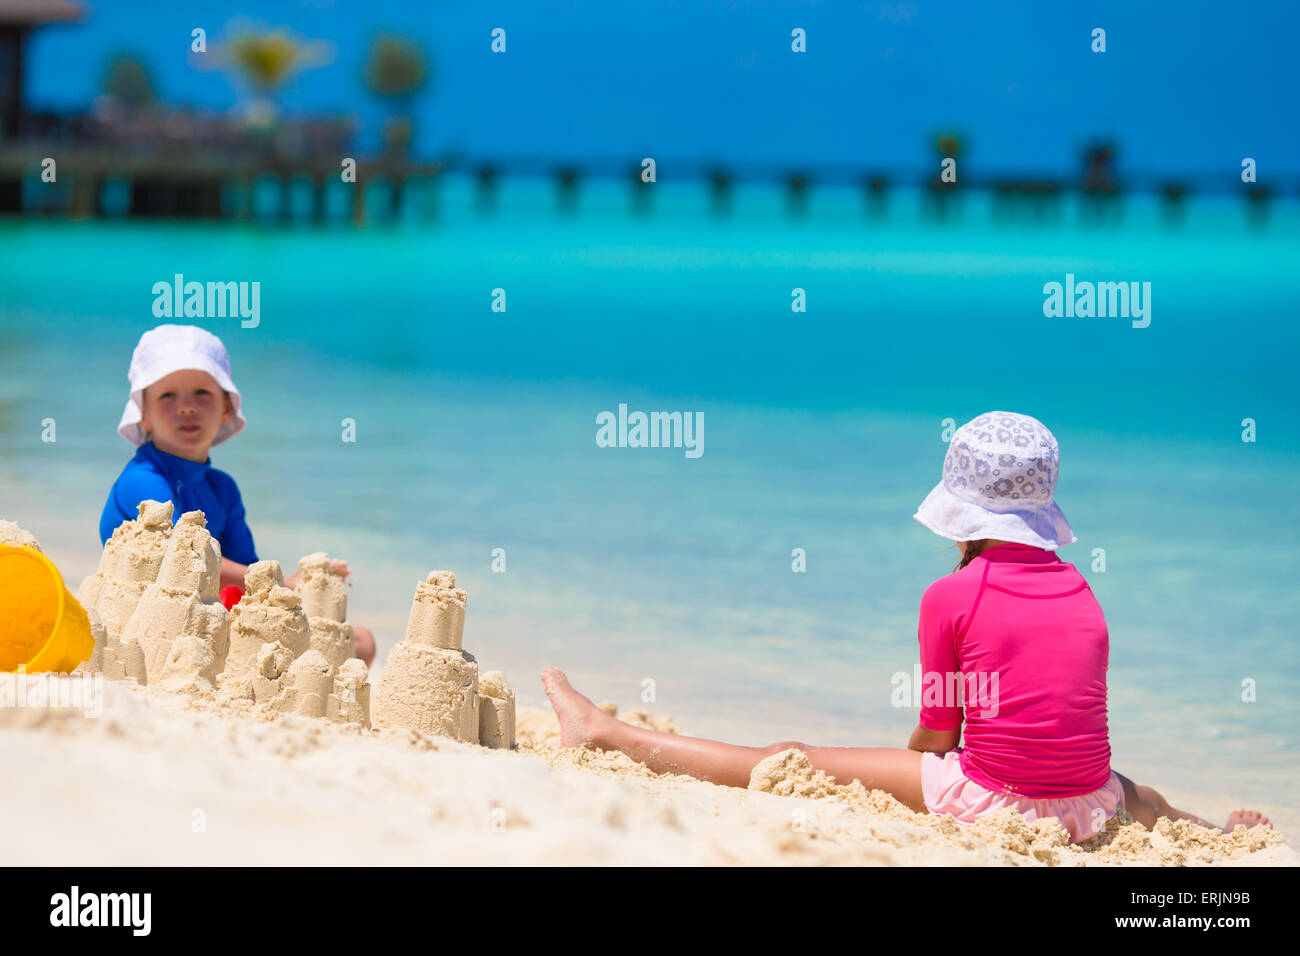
{"type": "Point", "coordinates": [1183, 86]}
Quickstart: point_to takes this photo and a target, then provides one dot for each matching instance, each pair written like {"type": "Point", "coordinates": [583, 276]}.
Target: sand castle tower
{"type": "Point", "coordinates": [496, 713]}
{"type": "Point", "coordinates": [298, 685]}
{"type": "Point", "coordinates": [311, 686]}
{"type": "Point", "coordinates": [325, 602]}
{"type": "Point", "coordinates": [268, 613]}
{"type": "Point", "coordinates": [324, 679]}
{"type": "Point", "coordinates": [349, 700]}
{"type": "Point", "coordinates": [152, 603]}
{"type": "Point", "coordinates": [181, 605]}
{"type": "Point", "coordinates": [431, 684]}
{"type": "Point", "coordinates": [129, 564]}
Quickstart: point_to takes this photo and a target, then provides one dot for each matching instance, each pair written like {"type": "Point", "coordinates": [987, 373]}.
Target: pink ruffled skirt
{"type": "Point", "coordinates": [948, 790]}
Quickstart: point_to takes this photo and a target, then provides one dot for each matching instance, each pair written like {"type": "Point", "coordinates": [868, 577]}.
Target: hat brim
{"type": "Point", "coordinates": [130, 428]}
{"type": "Point", "coordinates": [950, 517]}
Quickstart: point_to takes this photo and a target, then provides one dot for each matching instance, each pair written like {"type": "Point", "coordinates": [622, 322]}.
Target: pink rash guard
{"type": "Point", "coordinates": [1027, 634]}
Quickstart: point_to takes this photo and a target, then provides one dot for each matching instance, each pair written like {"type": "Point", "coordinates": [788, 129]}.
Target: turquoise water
{"type": "Point", "coordinates": [823, 430]}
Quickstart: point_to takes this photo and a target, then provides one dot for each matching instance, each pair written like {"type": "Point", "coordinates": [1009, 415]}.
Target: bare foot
{"type": "Point", "coordinates": [580, 719]}
{"type": "Point", "coordinates": [1247, 818]}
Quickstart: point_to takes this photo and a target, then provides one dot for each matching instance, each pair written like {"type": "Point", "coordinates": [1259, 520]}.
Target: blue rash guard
{"type": "Point", "coordinates": [189, 486]}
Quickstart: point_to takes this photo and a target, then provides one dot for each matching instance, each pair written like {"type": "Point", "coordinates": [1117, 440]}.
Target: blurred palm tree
{"type": "Point", "coordinates": [265, 59]}
{"type": "Point", "coordinates": [396, 71]}
{"type": "Point", "coordinates": [396, 68]}
{"type": "Point", "coordinates": [127, 81]}
{"type": "Point", "coordinates": [948, 143]}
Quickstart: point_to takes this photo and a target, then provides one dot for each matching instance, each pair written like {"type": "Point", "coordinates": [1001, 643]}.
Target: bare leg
{"type": "Point", "coordinates": [363, 644]}
{"type": "Point", "coordinates": [1146, 806]}
{"type": "Point", "coordinates": [582, 723]}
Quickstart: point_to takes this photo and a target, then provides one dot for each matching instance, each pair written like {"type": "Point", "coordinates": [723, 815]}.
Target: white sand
{"type": "Point", "coordinates": [13, 535]}
{"type": "Point", "coordinates": [160, 778]}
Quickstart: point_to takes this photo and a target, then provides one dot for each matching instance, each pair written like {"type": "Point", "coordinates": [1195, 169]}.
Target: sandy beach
{"type": "Point", "coordinates": [164, 778]}
{"type": "Point", "coordinates": [401, 328]}
{"type": "Point", "coordinates": [198, 735]}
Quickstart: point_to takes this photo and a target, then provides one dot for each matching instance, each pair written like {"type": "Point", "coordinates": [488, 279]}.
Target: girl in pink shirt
{"type": "Point", "coordinates": [1013, 645]}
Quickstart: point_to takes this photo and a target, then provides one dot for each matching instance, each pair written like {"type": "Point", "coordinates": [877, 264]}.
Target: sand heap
{"type": "Point", "coordinates": [156, 619]}
{"type": "Point", "coordinates": [1007, 836]}
{"type": "Point", "coordinates": [13, 535]}
{"type": "Point", "coordinates": [432, 685]}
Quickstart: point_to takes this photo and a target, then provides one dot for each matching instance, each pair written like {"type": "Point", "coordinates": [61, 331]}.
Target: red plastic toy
{"type": "Point", "coordinates": [230, 595]}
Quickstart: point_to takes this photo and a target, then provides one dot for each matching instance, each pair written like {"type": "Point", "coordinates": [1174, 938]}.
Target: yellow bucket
{"type": "Point", "coordinates": [42, 626]}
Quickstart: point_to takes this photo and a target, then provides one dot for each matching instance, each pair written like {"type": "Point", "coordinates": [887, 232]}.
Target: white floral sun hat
{"type": "Point", "coordinates": [999, 481]}
{"type": "Point", "coordinates": [170, 348]}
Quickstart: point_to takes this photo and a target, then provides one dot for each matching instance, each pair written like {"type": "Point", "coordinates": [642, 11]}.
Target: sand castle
{"type": "Point", "coordinates": [156, 619]}
{"type": "Point", "coordinates": [431, 684]}
{"type": "Point", "coordinates": [291, 651]}
{"type": "Point", "coordinates": [153, 603]}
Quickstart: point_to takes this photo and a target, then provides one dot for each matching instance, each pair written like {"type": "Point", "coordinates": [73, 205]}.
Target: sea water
{"type": "Point", "coordinates": [425, 394]}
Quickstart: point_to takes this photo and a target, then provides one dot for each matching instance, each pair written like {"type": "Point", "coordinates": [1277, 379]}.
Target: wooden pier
{"type": "Point", "coordinates": [209, 184]}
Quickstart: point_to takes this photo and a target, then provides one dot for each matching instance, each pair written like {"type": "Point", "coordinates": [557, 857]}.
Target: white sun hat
{"type": "Point", "coordinates": [999, 481]}
{"type": "Point", "coordinates": [170, 348]}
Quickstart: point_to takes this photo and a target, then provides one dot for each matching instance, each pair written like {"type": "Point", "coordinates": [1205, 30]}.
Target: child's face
{"type": "Point", "coordinates": [184, 411]}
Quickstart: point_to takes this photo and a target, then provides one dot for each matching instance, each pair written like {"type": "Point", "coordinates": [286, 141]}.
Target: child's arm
{"type": "Point", "coordinates": [232, 572]}
{"type": "Point", "coordinates": [934, 741]}
{"type": "Point", "coordinates": [938, 726]}
{"type": "Point", "coordinates": [336, 566]}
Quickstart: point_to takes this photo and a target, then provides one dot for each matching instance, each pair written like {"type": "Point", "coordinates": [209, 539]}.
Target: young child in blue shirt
{"type": "Point", "coordinates": [182, 403]}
